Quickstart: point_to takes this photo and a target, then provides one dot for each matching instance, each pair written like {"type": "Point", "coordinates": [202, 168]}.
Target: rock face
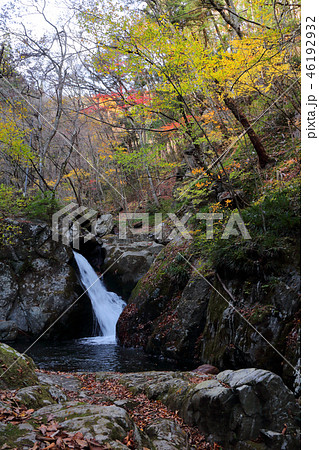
{"type": "Point", "coordinates": [126, 261]}
{"type": "Point", "coordinates": [271, 308]}
{"type": "Point", "coordinates": [240, 405]}
{"type": "Point", "coordinates": [151, 313]}
{"type": "Point", "coordinates": [37, 282]}
{"type": "Point", "coordinates": [8, 330]}
{"type": "Point", "coordinates": [226, 323]}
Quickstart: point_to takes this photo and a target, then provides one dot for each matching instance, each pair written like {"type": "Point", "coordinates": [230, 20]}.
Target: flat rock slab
{"type": "Point", "coordinates": [106, 424]}
{"type": "Point", "coordinates": [68, 382]}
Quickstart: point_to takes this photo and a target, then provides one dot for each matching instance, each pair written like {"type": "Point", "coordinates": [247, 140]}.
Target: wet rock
{"type": "Point", "coordinates": [8, 330]}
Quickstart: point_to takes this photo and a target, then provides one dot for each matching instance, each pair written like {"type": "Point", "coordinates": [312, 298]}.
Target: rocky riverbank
{"type": "Point", "coordinates": [243, 409]}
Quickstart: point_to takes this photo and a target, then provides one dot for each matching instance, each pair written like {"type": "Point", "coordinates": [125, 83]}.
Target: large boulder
{"type": "Point", "coordinates": [106, 424]}
{"type": "Point", "coordinates": [16, 370]}
{"type": "Point", "coordinates": [167, 435]}
{"type": "Point", "coordinates": [127, 261]}
{"type": "Point", "coordinates": [103, 225]}
{"type": "Point", "coordinates": [38, 284]}
{"type": "Point", "coordinates": [242, 405]}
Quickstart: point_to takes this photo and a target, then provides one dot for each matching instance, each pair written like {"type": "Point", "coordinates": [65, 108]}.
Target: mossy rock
{"type": "Point", "coordinates": [34, 397]}
{"type": "Point", "coordinates": [17, 436]}
{"type": "Point", "coordinates": [16, 370]}
{"type": "Point", "coordinates": [106, 424]}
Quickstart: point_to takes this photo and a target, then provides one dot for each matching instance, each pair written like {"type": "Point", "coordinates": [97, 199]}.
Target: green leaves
{"type": "Point", "coordinates": [13, 138]}
{"type": "Point", "coordinates": [139, 159]}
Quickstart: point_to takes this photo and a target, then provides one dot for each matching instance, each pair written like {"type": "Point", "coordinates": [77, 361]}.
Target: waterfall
{"type": "Point", "coordinates": [107, 306]}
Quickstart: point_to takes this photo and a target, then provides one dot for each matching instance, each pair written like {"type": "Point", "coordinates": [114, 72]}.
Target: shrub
{"type": "Point", "coordinates": [42, 206]}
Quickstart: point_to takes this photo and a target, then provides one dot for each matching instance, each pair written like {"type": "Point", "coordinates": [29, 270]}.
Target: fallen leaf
{"type": "Point", "coordinates": [53, 426]}
{"type": "Point", "coordinates": [43, 429]}
{"type": "Point", "coordinates": [81, 443]}
{"type": "Point", "coordinates": [78, 435]}
{"type": "Point", "coordinates": [49, 446]}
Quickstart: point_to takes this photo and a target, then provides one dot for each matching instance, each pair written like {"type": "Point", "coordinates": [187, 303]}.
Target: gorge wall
{"type": "Point", "coordinates": [231, 322]}
{"type": "Point", "coordinates": [38, 284]}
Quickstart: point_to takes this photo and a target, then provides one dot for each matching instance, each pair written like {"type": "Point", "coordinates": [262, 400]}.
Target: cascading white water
{"type": "Point", "coordinates": [107, 306]}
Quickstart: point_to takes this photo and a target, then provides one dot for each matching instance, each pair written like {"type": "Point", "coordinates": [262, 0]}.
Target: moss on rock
{"type": "Point", "coordinates": [16, 370]}
{"type": "Point", "coordinates": [34, 397]}
{"type": "Point", "coordinates": [10, 433]}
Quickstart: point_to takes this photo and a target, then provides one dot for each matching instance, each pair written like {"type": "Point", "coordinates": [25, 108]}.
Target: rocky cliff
{"type": "Point", "coordinates": [37, 284]}
{"type": "Point", "coordinates": [231, 322]}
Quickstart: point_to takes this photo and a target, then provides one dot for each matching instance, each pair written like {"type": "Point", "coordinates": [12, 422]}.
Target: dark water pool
{"type": "Point", "coordinates": [93, 355]}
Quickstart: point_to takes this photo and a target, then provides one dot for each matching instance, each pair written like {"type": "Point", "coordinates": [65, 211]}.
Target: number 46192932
{"type": "Point", "coordinates": [310, 46]}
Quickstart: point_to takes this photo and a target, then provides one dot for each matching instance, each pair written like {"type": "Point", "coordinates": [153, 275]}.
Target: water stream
{"type": "Point", "coordinates": [107, 306]}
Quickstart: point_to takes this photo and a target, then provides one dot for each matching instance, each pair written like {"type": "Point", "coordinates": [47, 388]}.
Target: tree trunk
{"type": "Point", "coordinates": [241, 117]}
{"type": "Point", "coordinates": [228, 14]}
